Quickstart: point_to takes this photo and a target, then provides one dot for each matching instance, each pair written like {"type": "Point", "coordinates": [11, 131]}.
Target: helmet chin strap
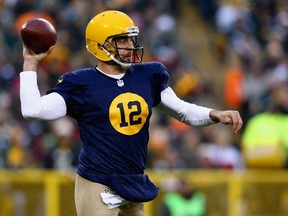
{"type": "Point", "coordinates": [125, 66]}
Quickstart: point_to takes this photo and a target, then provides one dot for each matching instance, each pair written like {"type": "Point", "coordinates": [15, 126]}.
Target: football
{"type": "Point", "coordinates": [38, 35]}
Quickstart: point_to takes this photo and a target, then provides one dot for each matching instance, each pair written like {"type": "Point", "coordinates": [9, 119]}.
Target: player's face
{"type": "Point", "coordinates": [125, 47]}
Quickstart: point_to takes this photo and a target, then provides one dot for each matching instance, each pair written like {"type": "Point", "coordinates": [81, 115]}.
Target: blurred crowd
{"type": "Point", "coordinates": [250, 38]}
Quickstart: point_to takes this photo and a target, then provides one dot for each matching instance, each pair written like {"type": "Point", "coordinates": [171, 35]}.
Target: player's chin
{"type": "Point", "coordinates": [127, 58]}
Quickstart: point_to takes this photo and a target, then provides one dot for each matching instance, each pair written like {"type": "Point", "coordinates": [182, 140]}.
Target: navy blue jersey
{"type": "Point", "coordinates": [113, 116]}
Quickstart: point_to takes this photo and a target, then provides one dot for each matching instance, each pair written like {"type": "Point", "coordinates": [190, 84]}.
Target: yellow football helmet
{"type": "Point", "coordinates": [101, 31]}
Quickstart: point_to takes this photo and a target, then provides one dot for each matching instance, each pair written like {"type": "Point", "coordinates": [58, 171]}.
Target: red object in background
{"type": "Point", "coordinates": [23, 18]}
{"type": "Point", "coordinates": [233, 97]}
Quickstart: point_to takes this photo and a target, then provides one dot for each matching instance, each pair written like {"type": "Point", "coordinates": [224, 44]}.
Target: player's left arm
{"type": "Point", "coordinates": [195, 115]}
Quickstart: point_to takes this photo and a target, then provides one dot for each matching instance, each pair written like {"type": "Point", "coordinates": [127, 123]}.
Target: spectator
{"type": "Point", "coordinates": [265, 138]}
{"type": "Point", "coordinates": [220, 152]}
{"type": "Point", "coordinates": [184, 201]}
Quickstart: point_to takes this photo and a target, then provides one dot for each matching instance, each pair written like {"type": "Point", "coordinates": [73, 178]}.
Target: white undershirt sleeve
{"type": "Point", "coordinates": [33, 105]}
{"type": "Point", "coordinates": [185, 112]}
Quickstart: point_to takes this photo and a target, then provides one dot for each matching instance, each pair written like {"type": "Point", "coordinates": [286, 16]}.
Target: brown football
{"type": "Point", "coordinates": [38, 35]}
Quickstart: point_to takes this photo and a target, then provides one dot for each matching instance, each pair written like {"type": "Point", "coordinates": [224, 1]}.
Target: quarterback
{"type": "Point", "coordinates": [112, 104]}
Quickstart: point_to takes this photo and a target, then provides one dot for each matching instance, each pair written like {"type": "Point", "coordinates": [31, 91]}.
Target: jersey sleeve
{"type": "Point", "coordinates": [71, 89]}
{"type": "Point", "coordinates": [164, 77]}
{"type": "Point", "coordinates": [161, 78]}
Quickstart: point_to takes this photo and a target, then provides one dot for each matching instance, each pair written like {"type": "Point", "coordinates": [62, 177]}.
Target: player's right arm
{"type": "Point", "coordinates": [33, 105]}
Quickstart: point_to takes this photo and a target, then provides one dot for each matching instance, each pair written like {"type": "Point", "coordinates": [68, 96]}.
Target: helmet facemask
{"type": "Point", "coordinates": [113, 48]}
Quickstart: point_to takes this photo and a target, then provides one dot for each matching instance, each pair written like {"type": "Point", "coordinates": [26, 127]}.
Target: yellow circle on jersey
{"type": "Point", "coordinates": [128, 113]}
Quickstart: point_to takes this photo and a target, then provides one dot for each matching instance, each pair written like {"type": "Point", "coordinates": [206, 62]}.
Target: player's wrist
{"type": "Point", "coordinates": [214, 115]}
{"type": "Point", "coordinates": [30, 66]}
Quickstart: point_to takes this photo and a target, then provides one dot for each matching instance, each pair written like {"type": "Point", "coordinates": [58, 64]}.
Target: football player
{"type": "Point", "coordinates": [112, 104]}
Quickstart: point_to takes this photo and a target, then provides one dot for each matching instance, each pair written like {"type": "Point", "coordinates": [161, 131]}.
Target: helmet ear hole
{"type": "Point", "coordinates": [108, 46]}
